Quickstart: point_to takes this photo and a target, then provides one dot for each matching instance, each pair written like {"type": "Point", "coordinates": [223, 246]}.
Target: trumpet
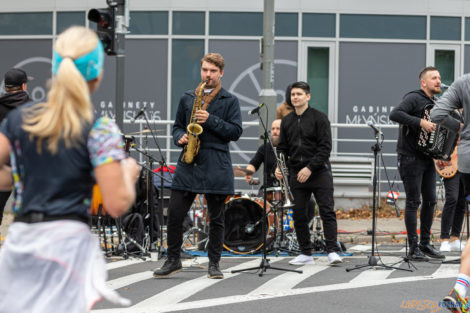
{"type": "Point", "coordinates": [284, 182]}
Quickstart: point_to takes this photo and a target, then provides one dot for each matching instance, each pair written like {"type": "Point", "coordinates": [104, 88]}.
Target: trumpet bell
{"type": "Point", "coordinates": [288, 204]}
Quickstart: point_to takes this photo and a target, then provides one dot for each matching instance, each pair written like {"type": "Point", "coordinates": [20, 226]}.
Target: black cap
{"type": "Point", "coordinates": [16, 77]}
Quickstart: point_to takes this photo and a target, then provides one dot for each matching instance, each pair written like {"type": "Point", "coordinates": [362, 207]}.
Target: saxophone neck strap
{"type": "Point", "coordinates": [208, 98]}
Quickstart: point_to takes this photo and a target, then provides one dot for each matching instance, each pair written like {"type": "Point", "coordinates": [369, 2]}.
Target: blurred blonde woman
{"type": "Point", "coordinates": [50, 261]}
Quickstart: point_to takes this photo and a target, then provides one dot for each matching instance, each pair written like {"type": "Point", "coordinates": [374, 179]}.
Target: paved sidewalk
{"type": "Point", "coordinates": [350, 231]}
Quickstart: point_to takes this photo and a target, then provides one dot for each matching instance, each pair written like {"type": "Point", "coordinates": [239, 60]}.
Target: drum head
{"type": "Point", "coordinates": [241, 234]}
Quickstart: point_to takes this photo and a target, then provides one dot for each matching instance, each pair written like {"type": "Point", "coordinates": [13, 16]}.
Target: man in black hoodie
{"type": "Point", "coordinates": [416, 168]}
{"type": "Point", "coordinates": [306, 143]}
{"type": "Point", "coordinates": [14, 96]}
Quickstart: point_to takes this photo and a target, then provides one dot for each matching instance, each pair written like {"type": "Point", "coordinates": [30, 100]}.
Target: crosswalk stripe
{"type": "Point", "coordinates": [122, 263]}
{"type": "Point", "coordinates": [446, 270]}
{"type": "Point", "coordinates": [288, 280]}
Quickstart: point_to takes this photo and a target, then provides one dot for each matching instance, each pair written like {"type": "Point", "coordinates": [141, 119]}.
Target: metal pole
{"type": "Point", "coordinates": [122, 23]}
{"type": "Point", "coordinates": [267, 94]}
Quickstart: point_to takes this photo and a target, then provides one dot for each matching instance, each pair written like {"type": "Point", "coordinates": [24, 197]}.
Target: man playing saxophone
{"type": "Point", "coordinates": [206, 170]}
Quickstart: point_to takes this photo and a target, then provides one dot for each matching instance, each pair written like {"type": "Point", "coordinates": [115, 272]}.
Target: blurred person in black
{"type": "Point", "coordinates": [306, 144]}
{"type": "Point", "coordinates": [416, 169]}
{"type": "Point", "coordinates": [15, 82]}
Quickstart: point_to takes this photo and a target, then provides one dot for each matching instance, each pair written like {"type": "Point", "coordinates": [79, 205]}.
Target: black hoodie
{"type": "Point", "coordinates": [12, 100]}
{"type": "Point", "coordinates": [408, 114]}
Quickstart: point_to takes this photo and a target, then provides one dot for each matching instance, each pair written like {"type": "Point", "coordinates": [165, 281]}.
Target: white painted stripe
{"type": "Point", "coordinates": [128, 280]}
{"type": "Point", "coordinates": [122, 263]}
{"type": "Point", "coordinates": [184, 290]}
{"type": "Point", "coordinates": [360, 248]}
{"type": "Point", "coordinates": [379, 273]}
{"type": "Point", "coordinates": [446, 270]}
{"type": "Point", "coordinates": [288, 280]}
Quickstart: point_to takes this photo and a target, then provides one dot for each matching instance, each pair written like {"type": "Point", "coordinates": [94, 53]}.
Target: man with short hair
{"type": "Point", "coordinates": [15, 81]}
{"type": "Point", "coordinates": [415, 167]}
{"type": "Point", "coordinates": [211, 171]}
{"type": "Point", "coordinates": [306, 144]}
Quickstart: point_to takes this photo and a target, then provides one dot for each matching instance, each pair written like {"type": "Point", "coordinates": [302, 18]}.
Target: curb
{"type": "Point", "coordinates": [361, 238]}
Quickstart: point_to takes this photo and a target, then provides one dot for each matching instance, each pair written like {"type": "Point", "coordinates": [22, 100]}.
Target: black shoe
{"type": "Point", "coordinates": [214, 271]}
{"type": "Point", "coordinates": [170, 267]}
{"type": "Point", "coordinates": [417, 255]}
{"type": "Point", "coordinates": [430, 251]}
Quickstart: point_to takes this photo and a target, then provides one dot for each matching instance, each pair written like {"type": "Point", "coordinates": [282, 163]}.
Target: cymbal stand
{"type": "Point", "coordinates": [196, 230]}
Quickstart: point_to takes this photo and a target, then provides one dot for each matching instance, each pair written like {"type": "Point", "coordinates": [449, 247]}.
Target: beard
{"type": "Point", "coordinates": [275, 140]}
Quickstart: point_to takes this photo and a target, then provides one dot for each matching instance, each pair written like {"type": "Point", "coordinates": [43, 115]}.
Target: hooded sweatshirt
{"type": "Point", "coordinates": [12, 100]}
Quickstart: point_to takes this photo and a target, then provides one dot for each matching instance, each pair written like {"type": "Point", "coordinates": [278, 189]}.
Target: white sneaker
{"type": "Point", "coordinates": [334, 258]}
{"type": "Point", "coordinates": [456, 245]}
{"type": "Point", "coordinates": [445, 246]}
{"type": "Point", "coordinates": [302, 259]}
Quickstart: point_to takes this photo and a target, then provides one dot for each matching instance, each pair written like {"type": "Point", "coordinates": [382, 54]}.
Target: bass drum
{"type": "Point", "coordinates": [243, 225]}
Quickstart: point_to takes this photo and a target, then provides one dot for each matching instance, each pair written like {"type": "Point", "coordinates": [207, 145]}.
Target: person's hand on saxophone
{"type": "Point", "coordinates": [202, 116]}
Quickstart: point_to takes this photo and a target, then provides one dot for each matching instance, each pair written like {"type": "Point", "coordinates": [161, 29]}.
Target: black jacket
{"type": "Point", "coordinates": [10, 101]}
{"type": "Point", "coordinates": [408, 114]}
{"type": "Point", "coordinates": [271, 164]}
{"type": "Point", "coordinates": [306, 140]}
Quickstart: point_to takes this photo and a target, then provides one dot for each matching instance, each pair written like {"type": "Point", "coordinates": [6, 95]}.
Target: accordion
{"type": "Point", "coordinates": [438, 144]}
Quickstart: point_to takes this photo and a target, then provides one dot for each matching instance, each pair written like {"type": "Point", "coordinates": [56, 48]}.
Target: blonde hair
{"type": "Point", "coordinates": [68, 107]}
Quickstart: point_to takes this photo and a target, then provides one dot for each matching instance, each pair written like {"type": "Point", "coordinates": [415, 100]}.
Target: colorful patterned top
{"type": "Point", "coordinates": [61, 183]}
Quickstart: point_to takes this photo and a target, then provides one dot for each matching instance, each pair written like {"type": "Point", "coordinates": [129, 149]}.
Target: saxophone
{"type": "Point", "coordinates": [194, 129]}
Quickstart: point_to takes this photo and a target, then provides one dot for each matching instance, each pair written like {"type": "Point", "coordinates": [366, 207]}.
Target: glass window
{"type": "Point", "coordinates": [467, 28]}
{"type": "Point", "coordinates": [236, 23]}
{"type": "Point", "coordinates": [318, 77]}
{"type": "Point", "coordinates": [383, 26]}
{"type": "Point", "coordinates": [185, 68]}
{"type": "Point", "coordinates": [148, 23]}
{"type": "Point", "coordinates": [286, 24]}
{"type": "Point", "coordinates": [318, 25]}
{"type": "Point", "coordinates": [38, 23]}
{"type": "Point", "coordinates": [188, 23]}
{"type": "Point", "coordinates": [67, 19]}
{"type": "Point", "coordinates": [445, 28]}
{"type": "Point", "coordinates": [444, 61]}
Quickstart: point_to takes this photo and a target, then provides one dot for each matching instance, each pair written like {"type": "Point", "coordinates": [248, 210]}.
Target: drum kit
{"type": "Point", "coordinates": [244, 214]}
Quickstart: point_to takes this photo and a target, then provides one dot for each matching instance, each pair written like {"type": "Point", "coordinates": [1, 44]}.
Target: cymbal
{"type": "Point", "coordinates": [145, 131]}
{"type": "Point", "coordinates": [241, 172]}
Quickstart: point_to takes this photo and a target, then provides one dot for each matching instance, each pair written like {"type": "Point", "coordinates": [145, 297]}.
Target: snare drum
{"type": "Point", "coordinates": [274, 194]}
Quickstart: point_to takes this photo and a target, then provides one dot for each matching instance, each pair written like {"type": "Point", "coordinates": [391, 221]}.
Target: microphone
{"type": "Point", "coordinates": [256, 110]}
{"type": "Point", "coordinates": [138, 115]}
{"type": "Point", "coordinates": [444, 85]}
{"type": "Point", "coordinates": [371, 125]}
{"type": "Point", "coordinates": [249, 228]}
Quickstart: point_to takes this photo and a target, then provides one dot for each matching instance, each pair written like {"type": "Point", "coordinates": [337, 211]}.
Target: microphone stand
{"type": "Point", "coordinates": [264, 265]}
{"type": "Point", "coordinates": [372, 263]}
{"type": "Point", "coordinates": [163, 164]}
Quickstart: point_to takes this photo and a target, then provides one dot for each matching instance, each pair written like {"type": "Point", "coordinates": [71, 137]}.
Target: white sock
{"type": "Point", "coordinates": [461, 285]}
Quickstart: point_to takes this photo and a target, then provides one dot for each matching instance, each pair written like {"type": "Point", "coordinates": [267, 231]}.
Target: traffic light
{"type": "Point", "coordinates": [106, 27]}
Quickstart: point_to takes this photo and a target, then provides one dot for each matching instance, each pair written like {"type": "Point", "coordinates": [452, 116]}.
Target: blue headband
{"type": "Point", "coordinates": [89, 65]}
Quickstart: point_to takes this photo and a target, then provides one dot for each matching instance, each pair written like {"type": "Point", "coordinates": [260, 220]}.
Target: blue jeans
{"type": "Point", "coordinates": [419, 179]}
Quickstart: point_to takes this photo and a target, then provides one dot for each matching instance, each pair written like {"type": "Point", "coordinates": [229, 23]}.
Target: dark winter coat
{"type": "Point", "coordinates": [211, 172]}
{"type": "Point", "coordinates": [408, 114]}
{"type": "Point", "coordinates": [10, 101]}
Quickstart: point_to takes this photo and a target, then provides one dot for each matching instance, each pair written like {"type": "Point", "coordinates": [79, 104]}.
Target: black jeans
{"type": "Point", "coordinates": [321, 185]}
{"type": "Point", "coordinates": [454, 208]}
{"type": "Point", "coordinates": [419, 179]}
{"type": "Point", "coordinates": [180, 203]}
{"type": "Point", "coordinates": [4, 195]}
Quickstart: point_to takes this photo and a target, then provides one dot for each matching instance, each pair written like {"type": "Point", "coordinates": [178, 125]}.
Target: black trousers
{"type": "Point", "coordinates": [4, 195]}
{"type": "Point", "coordinates": [419, 179]}
{"type": "Point", "coordinates": [454, 207]}
{"type": "Point", "coordinates": [180, 203]}
{"type": "Point", "coordinates": [321, 185]}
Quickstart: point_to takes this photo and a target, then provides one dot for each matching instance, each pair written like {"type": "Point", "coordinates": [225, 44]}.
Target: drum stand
{"type": "Point", "coordinates": [264, 265]}
{"type": "Point", "coordinates": [196, 231]}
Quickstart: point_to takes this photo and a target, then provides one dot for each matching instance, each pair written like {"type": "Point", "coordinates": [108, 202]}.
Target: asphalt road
{"type": "Point", "coordinates": [320, 288]}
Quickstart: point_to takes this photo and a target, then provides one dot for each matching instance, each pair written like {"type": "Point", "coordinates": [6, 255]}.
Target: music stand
{"type": "Point", "coordinates": [372, 261]}
{"type": "Point", "coordinates": [264, 264]}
